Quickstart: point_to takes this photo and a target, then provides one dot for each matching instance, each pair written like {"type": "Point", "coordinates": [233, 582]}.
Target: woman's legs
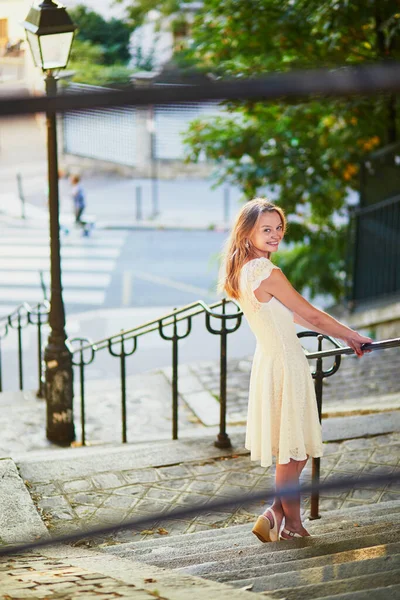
{"type": "Point", "coordinates": [288, 475]}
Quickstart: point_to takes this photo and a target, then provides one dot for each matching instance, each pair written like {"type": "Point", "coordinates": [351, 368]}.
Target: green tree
{"type": "Point", "coordinates": [309, 153]}
{"type": "Point", "coordinates": [87, 62]}
{"type": "Point", "coordinates": [113, 35]}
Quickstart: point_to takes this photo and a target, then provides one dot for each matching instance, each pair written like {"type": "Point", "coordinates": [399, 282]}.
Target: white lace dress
{"type": "Point", "coordinates": [282, 414]}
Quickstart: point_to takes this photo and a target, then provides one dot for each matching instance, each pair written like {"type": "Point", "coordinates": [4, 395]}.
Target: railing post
{"type": "Point", "coordinates": [82, 389]}
{"type": "Point", "coordinates": [138, 198]}
{"type": "Point", "coordinates": [20, 367]}
{"type": "Point", "coordinates": [122, 356]}
{"type": "Point", "coordinates": [174, 338]}
{"type": "Point", "coordinates": [123, 392]}
{"type": "Point", "coordinates": [82, 364]}
{"type": "Point", "coordinates": [223, 440]}
{"type": "Point", "coordinates": [41, 385]}
{"type": "Point", "coordinates": [316, 462]}
{"type": "Point", "coordinates": [175, 381]}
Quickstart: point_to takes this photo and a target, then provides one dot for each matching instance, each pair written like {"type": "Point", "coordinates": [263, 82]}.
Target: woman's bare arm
{"type": "Point", "coordinates": [279, 286]}
{"type": "Point", "coordinates": [299, 321]}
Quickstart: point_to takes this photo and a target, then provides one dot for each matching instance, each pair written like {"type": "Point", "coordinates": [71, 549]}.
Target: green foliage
{"type": "Point", "coordinates": [87, 60]}
{"type": "Point", "coordinates": [308, 153]}
{"type": "Point", "coordinates": [139, 9]}
{"type": "Point", "coordinates": [112, 35]}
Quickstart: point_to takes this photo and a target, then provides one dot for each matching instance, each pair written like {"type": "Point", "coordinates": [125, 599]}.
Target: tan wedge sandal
{"type": "Point", "coordinates": [263, 530]}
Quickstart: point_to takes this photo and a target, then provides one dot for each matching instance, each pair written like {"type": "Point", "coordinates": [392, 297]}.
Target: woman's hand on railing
{"type": "Point", "coordinates": [355, 340]}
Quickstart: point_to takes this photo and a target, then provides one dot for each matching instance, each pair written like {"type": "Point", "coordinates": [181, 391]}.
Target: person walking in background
{"type": "Point", "coordinates": [78, 197]}
{"type": "Point", "coordinates": [282, 413]}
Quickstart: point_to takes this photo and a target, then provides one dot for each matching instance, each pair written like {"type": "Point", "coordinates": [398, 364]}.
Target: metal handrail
{"type": "Point", "coordinates": [342, 350]}
{"type": "Point", "coordinates": [319, 375]}
{"type": "Point", "coordinates": [195, 308]}
{"type": "Point", "coordinates": [22, 316]}
{"type": "Point", "coordinates": [160, 324]}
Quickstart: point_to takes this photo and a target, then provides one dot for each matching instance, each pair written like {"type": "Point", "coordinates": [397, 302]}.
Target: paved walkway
{"type": "Point", "coordinates": [115, 485]}
{"type": "Point", "coordinates": [66, 573]}
{"type": "Point", "coordinates": [36, 576]}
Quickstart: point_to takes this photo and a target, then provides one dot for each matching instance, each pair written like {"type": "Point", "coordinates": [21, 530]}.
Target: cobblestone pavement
{"type": "Point", "coordinates": [116, 496]}
{"type": "Point", "coordinates": [34, 576]}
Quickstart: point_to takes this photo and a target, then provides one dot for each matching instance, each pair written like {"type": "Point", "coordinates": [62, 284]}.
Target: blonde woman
{"type": "Point", "coordinates": [282, 414]}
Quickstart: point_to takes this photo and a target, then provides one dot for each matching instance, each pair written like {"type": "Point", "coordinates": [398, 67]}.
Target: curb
{"type": "Point", "coordinates": [19, 519]}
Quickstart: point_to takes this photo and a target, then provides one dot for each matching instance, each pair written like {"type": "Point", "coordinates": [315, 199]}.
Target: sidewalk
{"type": "Point", "coordinates": [111, 205]}
{"type": "Point", "coordinates": [79, 488]}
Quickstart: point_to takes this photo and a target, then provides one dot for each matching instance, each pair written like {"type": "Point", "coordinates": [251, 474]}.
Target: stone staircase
{"type": "Point", "coordinates": [352, 555]}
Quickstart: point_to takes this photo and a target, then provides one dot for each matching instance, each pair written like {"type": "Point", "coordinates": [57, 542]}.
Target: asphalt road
{"type": "Point", "coordinates": [154, 272]}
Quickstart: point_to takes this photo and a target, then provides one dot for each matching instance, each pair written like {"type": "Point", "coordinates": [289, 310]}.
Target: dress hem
{"type": "Point", "coordinates": [317, 454]}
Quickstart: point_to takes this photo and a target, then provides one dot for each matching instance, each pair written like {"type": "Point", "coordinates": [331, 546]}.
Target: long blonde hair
{"type": "Point", "coordinates": [239, 249]}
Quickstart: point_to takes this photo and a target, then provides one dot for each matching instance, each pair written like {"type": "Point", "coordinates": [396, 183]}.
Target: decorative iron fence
{"type": "Point", "coordinates": [173, 328]}
{"type": "Point", "coordinates": [375, 228]}
{"type": "Point", "coordinates": [23, 316]}
{"type": "Point", "coordinates": [376, 262]}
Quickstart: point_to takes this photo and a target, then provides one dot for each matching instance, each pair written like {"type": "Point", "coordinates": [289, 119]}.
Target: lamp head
{"type": "Point", "coordinates": [50, 33]}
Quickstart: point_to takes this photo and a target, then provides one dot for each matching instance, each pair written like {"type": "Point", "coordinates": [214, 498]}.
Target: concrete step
{"type": "Point", "coordinates": [265, 554]}
{"type": "Point", "coordinates": [200, 553]}
{"type": "Point", "coordinates": [317, 575]}
{"type": "Point", "coordinates": [241, 536]}
{"type": "Point", "coordinates": [331, 560]}
{"type": "Point", "coordinates": [390, 592]}
{"type": "Point", "coordinates": [361, 515]}
{"type": "Point", "coordinates": [333, 588]}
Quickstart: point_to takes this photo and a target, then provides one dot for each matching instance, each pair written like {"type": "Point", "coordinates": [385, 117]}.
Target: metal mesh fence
{"type": "Point", "coordinates": [122, 135]}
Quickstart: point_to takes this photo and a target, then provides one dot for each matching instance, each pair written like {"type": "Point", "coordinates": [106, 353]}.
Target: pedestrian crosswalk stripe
{"type": "Point", "coordinates": [68, 264]}
{"type": "Point", "coordinates": [43, 240]}
{"type": "Point", "coordinates": [34, 294]}
{"type": "Point", "coordinates": [23, 278]}
{"type": "Point", "coordinates": [68, 251]}
{"type": "Point", "coordinates": [87, 265]}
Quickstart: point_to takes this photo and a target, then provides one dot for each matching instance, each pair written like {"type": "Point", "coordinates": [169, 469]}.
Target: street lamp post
{"type": "Point", "coordinates": [50, 34]}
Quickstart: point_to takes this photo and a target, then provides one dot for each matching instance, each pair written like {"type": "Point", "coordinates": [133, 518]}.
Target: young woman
{"type": "Point", "coordinates": [282, 415]}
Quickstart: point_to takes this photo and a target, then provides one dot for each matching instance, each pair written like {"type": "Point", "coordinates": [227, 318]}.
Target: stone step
{"type": "Point", "coordinates": [265, 555]}
{"type": "Point", "coordinates": [331, 560]}
{"type": "Point", "coordinates": [333, 588]}
{"type": "Point", "coordinates": [390, 592]}
{"type": "Point", "coordinates": [361, 515]}
{"type": "Point", "coordinates": [172, 558]}
{"type": "Point", "coordinates": [316, 575]}
{"type": "Point", "coordinates": [243, 537]}
{"type": "Point", "coordinates": [213, 562]}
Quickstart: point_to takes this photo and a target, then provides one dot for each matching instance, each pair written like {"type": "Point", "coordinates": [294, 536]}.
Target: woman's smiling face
{"type": "Point", "coordinates": [268, 232]}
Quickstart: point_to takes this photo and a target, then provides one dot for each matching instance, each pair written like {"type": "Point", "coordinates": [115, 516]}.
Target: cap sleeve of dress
{"type": "Point", "coordinates": [258, 270]}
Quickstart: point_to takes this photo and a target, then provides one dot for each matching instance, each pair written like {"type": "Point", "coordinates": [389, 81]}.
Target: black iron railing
{"type": "Point", "coordinates": [318, 375]}
{"type": "Point", "coordinates": [125, 344]}
{"type": "Point", "coordinates": [376, 262]}
{"type": "Point", "coordinates": [22, 317]}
